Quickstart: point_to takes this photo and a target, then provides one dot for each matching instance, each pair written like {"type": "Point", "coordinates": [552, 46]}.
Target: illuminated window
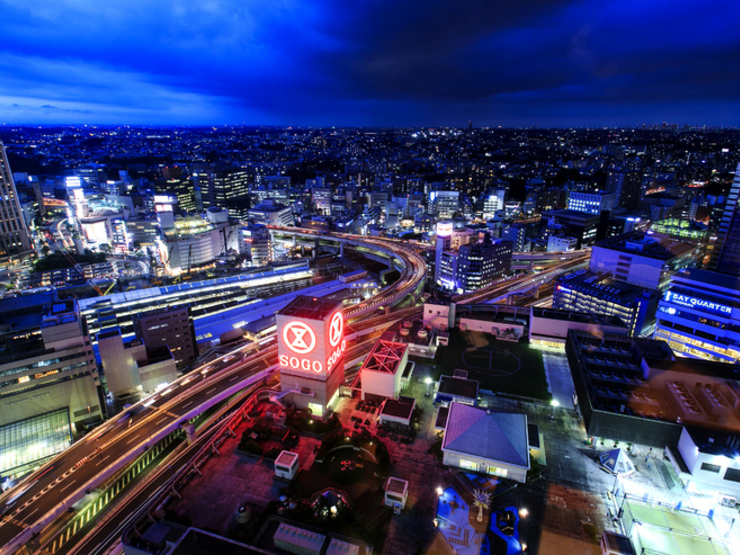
{"type": "Point", "coordinates": [470, 465]}
{"type": "Point", "coordinates": [497, 471]}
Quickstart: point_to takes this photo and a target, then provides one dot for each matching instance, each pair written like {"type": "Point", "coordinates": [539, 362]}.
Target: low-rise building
{"type": "Point", "coordinates": [642, 260]}
{"type": "Point", "coordinates": [287, 465]}
{"type": "Point", "coordinates": [561, 243]}
{"type": "Point", "coordinates": [548, 327]}
{"type": "Point", "coordinates": [638, 391]}
{"type": "Point", "coordinates": [488, 442]}
{"type": "Point", "coordinates": [397, 411]}
{"type": "Point", "coordinates": [382, 370]}
{"type": "Point", "coordinates": [396, 492]}
{"type": "Point", "coordinates": [457, 389]}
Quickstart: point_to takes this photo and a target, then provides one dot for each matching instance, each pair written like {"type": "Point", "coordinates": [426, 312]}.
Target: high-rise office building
{"type": "Point", "coordinates": [725, 256]}
{"type": "Point", "coordinates": [48, 379]}
{"type": "Point", "coordinates": [480, 264]}
{"type": "Point", "coordinates": [13, 231]}
{"type": "Point", "coordinates": [225, 188]}
{"type": "Point", "coordinates": [626, 186]}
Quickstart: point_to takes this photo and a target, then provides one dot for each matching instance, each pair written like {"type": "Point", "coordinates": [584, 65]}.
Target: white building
{"type": "Point", "coordinates": [271, 213]}
{"type": "Point", "coordinates": [131, 367]}
{"type": "Point", "coordinates": [438, 316]}
{"type": "Point", "coordinates": [494, 202]}
{"type": "Point", "coordinates": [195, 241]}
{"type": "Point", "coordinates": [487, 442]}
{"type": "Point", "coordinates": [445, 203]}
{"type": "Point", "coordinates": [396, 492]}
{"type": "Point", "coordinates": [643, 260]}
{"type": "Point", "coordinates": [709, 461]}
{"type": "Point", "coordinates": [561, 243]}
{"type": "Point", "coordinates": [382, 370]}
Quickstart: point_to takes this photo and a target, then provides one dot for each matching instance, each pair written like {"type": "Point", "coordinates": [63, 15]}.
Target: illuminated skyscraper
{"type": "Point", "coordinates": [13, 232]}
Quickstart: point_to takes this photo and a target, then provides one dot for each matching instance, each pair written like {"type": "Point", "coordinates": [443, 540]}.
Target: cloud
{"type": "Point", "coordinates": [373, 61]}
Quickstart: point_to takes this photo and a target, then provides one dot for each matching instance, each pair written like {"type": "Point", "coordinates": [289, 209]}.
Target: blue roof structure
{"type": "Point", "coordinates": [500, 436]}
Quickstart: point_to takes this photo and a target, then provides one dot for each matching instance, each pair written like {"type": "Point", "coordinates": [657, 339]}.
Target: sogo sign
{"type": "Point", "coordinates": [300, 338]}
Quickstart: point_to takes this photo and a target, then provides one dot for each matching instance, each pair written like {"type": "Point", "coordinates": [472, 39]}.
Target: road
{"type": "Point", "coordinates": [54, 485]}
{"type": "Point", "coordinates": [58, 484]}
{"type": "Point", "coordinates": [412, 278]}
{"type": "Point", "coordinates": [99, 535]}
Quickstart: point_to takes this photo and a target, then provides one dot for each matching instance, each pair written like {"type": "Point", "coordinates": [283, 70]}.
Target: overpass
{"type": "Point", "coordinates": [35, 503]}
{"type": "Point", "coordinates": [411, 265]}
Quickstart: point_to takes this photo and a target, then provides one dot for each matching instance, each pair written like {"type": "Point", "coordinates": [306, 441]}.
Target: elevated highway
{"type": "Point", "coordinates": [45, 495]}
{"type": "Point", "coordinates": [31, 506]}
{"type": "Point", "coordinates": [411, 265]}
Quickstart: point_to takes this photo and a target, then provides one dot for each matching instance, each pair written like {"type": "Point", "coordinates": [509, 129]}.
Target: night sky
{"type": "Point", "coordinates": [372, 62]}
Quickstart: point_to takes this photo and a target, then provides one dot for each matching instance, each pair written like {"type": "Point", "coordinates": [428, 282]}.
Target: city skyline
{"type": "Point", "coordinates": [550, 64]}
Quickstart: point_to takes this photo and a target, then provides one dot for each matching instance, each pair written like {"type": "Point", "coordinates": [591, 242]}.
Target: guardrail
{"type": "Point", "coordinates": [190, 470]}
{"type": "Point", "coordinates": [117, 465]}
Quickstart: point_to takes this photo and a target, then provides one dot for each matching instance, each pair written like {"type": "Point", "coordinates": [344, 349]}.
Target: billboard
{"type": "Point", "coordinates": [697, 303]}
{"type": "Point", "coordinates": [309, 346]}
{"type": "Point", "coordinates": [444, 229]}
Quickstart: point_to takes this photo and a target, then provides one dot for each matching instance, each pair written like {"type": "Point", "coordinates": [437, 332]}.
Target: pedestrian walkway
{"type": "Point", "coordinates": [559, 379]}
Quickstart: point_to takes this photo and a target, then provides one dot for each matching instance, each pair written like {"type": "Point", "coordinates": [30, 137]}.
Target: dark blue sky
{"type": "Point", "coordinates": [370, 62]}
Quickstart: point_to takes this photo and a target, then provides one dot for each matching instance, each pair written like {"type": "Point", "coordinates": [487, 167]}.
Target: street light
{"type": "Point", "coordinates": [554, 404]}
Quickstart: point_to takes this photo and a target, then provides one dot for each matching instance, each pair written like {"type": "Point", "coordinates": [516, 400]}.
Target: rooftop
{"type": "Point", "coordinates": [458, 387]}
{"type": "Point", "coordinates": [385, 357]}
{"type": "Point", "coordinates": [401, 408]}
{"type": "Point", "coordinates": [580, 317]}
{"type": "Point", "coordinates": [200, 542]}
{"type": "Point", "coordinates": [705, 277]}
{"type": "Point", "coordinates": [603, 286]}
{"type": "Point", "coordinates": [311, 308]}
{"type": "Point", "coordinates": [396, 485]}
{"type": "Point", "coordinates": [642, 378]}
{"type": "Point", "coordinates": [497, 436]}
{"type": "Point", "coordinates": [286, 458]}
{"type": "Point", "coordinates": [657, 246]}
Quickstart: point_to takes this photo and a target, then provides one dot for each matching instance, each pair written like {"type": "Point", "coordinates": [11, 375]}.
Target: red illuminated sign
{"type": "Point", "coordinates": [301, 364]}
{"type": "Point", "coordinates": [312, 349]}
{"type": "Point", "coordinates": [336, 327]}
{"type": "Point", "coordinates": [299, 338]}
{"type": "Point", "coordinates": [336, 355]}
